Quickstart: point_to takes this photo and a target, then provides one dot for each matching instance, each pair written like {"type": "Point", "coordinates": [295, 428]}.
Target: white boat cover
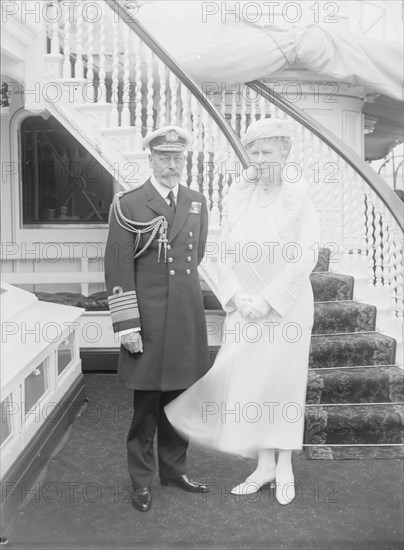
{"type": "Point", "coordinates": [221, 49]}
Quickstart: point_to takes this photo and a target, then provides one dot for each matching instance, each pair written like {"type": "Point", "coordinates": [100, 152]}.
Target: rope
{"type": "Point", "coordinates": [139, 228]}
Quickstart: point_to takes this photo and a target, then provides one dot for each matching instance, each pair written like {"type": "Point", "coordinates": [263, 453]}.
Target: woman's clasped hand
{"type": "Point", "coordinates": [251, 306]}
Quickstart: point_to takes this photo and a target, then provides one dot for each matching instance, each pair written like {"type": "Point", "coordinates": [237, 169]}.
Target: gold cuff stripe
{"type": "Point", "coordinates": [123, 303]}
{"type": "Point", "coordinates": [128, 296]}
{"type": "Point", "coordinates": [124, 316]}
{"type": "Point", "coordinates": [117, 311]}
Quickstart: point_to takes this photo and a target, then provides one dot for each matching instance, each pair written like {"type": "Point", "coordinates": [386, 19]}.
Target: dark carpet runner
{"type": "Point", "coordinates": [350, 365]}
{"type": "Point", "coordinates": [355, 390]}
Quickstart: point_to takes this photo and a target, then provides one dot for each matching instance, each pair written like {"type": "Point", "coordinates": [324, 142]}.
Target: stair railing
{"type": "Point", "coordinates": [376, 233]}
{"type": "Point", "coordinates": [370, 215]}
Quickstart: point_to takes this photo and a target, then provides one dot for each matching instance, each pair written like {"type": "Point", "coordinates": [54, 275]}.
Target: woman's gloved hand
{"type": "Point", "coordinates": [257, 308]}
{"type": "Point", "coordinates": [242, 301]}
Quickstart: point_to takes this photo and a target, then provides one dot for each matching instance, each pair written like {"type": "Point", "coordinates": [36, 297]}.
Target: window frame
{"type": "Point", "coordinates": [58, 233]}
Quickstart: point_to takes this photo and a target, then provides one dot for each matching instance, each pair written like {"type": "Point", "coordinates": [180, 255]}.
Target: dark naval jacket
{"type": "Point", "coordinates": [163, 297]}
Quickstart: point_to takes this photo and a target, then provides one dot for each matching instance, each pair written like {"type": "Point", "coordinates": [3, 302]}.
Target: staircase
{"type": "Point", "coordinates": [355, 391]}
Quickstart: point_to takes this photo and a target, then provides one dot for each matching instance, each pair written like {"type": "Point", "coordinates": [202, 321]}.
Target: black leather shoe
{"type": "Point", "coordinates": [186, 484]}
{"type": "Point", "coordinates": [141, 499]}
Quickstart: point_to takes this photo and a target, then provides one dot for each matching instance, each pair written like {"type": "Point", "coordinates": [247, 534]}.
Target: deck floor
{"type": "Point", "coordinates": [83, 500]}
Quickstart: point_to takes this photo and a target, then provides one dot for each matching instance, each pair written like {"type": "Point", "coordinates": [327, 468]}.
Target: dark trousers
{"type": "Point", "coordinates": [148, 416]}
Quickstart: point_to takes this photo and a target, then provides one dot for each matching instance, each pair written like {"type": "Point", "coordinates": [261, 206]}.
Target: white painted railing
{"type": "Point", "coordinates": [120, 74]}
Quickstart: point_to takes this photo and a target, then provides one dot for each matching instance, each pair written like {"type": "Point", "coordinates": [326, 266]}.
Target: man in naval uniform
{"type": "Point", "coordinates": [156, 240]}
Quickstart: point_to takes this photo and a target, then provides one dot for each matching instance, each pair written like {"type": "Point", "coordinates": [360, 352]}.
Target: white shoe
{"type": "Point", "coordinates": [251, 486]}
{"type": "Point", "coordinates": [285, 490]}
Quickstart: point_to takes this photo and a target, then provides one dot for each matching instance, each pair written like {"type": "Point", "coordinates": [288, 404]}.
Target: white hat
{"type": "Point", "coordinates": [268, 128]}
{"type": "Point", "coordinates": [168, 138]}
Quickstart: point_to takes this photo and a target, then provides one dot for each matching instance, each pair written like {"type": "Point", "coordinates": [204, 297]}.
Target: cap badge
{"type": "Point", "coordinates": [172, 136]}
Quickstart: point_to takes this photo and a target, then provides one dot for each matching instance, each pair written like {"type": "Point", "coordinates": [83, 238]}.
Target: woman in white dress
{"type": "Point", "coordinates": [252, 400]}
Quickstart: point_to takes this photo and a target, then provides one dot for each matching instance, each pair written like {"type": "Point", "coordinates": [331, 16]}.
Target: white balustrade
{"type": "Point", "coordinates": [90, 96]}
{"type": "Point", "coordinates": [126, 88]}
{"type": "Point", "coordinates": [67, 67]}
{"type": "Point", "coordinates": [79, 66]}
{"type": "Point", "coordinates": [173, 83]}
{"type": "Point", "coordinates": [115, 73]}
{"type": "Point", "coordinates": [350, 213]}
{"type": "Point", "coordinates": [185, 95]}
{"type": "Point", "coordinates": [195, 113]}
{"type": "Point", "coordinates": [150, 90]}
{"type": "Point", "coordinates": [207, 148]}
{"type": "Point", "coordinates": [55, 42]}
{"type": "Point", "coordinates": [138, 92]}
{"type": "Point", "coordinates": [162, 72]}
{"type": "Point", "coordinates": [102, 88]}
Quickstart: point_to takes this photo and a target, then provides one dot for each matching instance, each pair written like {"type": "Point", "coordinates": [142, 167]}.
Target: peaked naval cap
{"type": "Point", "coordinates": [168, 138]}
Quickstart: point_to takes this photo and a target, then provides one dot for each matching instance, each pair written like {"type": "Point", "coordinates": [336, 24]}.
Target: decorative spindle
{"type": "Point", "coordinates": [150, 90]}
{"type": "Point", "coordinates": [243, 112]}
{"type": "Point", "coordinates": [195, 106]}
{"type": "Point", "coordinates": [67, 67]}
{"type": "Point", "coordinates": [229, 165]}
{"type": "Point", "coordinates": [336, 176]}
{"type": "Point", "coordinates": [127, 91]}
{"type": "Point", "coordinates": [378, 271]}
{"type": "Point", "coordinates": [263, 107]}
{"type": "Point", "coordinates": [185, 95]}
{"type": "Point", "coordinates": [370, 213]}
{"type": "Point", "coordinates": [315, 166]}
{"type": "Point", "coordinates": [362, 218]}
{"type": "Point", "coordinates": [223, 143]}
{"type": "Point", "coordinates": [346, 177]}
{"type": "Point", "coordinates": [138, 90]}
{"type": "Point", "coordinates": [55, 42]}
{"type": "Point", "coordinates": [234, 111]}
{"type": "Point", "coordinates": [102, 89]}
{"type": "Point", "coordinates": [79, 67]}
{"type": "Point", "coordinates": [355, 208]}
{"type": "Point", "coordinates": [115, 71]}
{"type": "Point", "coordinates": [207, 148]}
{"type": "Point", "coordinates": [253, 105]}
{"type": "Point", "coordinates": [215, 162]}
{"type": "Point", "coordinates": [173, 83]}
{"type": "Point", "coordinates": [162, 70]}
{"type": "Point", "coordinates": [388, 249]}
{"type": "Point", "coordinates": [327, 191]}
{"type": "Point", "coordinates": [90, 93]}
{"type": "Point", "coordinates": [398, 280]}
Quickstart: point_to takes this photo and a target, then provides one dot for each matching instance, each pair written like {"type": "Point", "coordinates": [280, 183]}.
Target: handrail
{"type": "Point", "coordinates": [375, 182]}
{"type": "Point", "coordinates": [120, 9]}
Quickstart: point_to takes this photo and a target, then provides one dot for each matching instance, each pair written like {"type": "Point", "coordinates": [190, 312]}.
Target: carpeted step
{"type": "Point", "coordinates": [353, 452]}
{"type": "Point", "coordinates": [331, 317]}
{"type": "Point", "coordinates": [352, 425]}
{"type": "Point", "coordinates": [345, 350]}
{"type": "Point", "coordinates": [326, 287]}
{"type": "Point", "coordinates": [332, 286]}
{"type": "Point", "coordinates": [376, 384]}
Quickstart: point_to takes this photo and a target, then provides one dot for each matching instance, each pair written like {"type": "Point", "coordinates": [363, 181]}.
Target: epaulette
{"type": "Point", "coordinates": [122, 193]}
